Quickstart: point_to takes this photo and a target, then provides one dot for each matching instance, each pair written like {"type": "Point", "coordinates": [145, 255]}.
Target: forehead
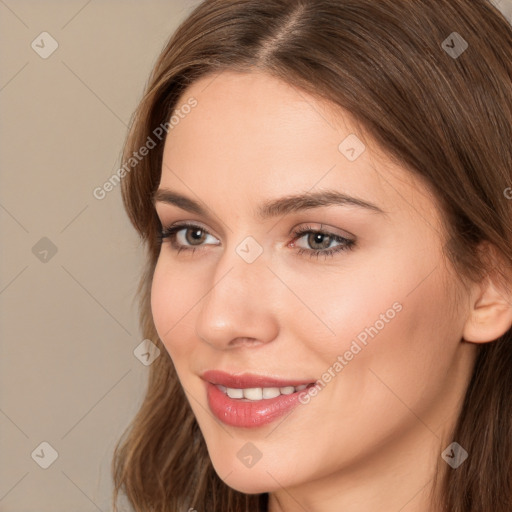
{"type": "Point", "coordinates": [261, 137]}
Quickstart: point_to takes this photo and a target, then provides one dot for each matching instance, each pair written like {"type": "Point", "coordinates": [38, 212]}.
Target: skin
{"type": "Point", "coordinates": [372, 436]}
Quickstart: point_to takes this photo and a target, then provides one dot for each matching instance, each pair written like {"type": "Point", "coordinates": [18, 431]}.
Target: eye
{"type": "Point", "coordinates": [321, 242]}
{"type": "Point", "coordinates": [194, 236]}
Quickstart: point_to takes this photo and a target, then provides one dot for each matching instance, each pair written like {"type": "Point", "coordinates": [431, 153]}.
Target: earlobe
{"type": "Point", "coordinates": [491, 313]}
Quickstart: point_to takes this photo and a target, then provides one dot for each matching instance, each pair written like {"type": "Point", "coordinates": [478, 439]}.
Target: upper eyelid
{"type": "Point", "coordinates": [178, 226]}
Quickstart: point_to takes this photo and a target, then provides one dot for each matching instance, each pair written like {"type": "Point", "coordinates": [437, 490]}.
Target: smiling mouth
{"type": "Point", "coordinates": [250, 400]}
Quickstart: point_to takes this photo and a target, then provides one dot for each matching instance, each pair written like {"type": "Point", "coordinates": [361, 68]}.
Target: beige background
{"type": "Point", "coordinates": [68, 374]}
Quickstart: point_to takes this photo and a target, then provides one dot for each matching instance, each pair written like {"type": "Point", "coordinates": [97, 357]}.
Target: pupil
{"type": "Point", "coordinates": [196, 235]}
{"type": "Point", "coordinates": [318, 238]}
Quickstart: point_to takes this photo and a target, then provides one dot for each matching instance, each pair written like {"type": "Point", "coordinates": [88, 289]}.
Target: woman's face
{"type": "Point", "coordinates": [362, 302]}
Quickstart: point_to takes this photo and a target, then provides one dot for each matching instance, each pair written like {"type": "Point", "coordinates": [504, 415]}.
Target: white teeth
{"type": "Point", "coordinates": [256, 394]}
{"type": "Point", "coordinates": [235, 393]}
{"type": "Point", "coordinates": [253, 393]}
{"type": "Point", "coordinates": [271, 392]}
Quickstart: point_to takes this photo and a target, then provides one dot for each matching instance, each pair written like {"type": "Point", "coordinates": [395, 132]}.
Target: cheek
{"type": "Point", "coordinates": [354, 304]}
{"type": "Point", "coordinates": [173, 296]}
{"type": "Point", "coordinates": [393, 312]}
{"type": "Point", "coordinates": [404, 356]}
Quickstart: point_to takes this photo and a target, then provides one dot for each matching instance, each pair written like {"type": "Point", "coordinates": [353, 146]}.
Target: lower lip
{"type": "Point", "coordinates": [249, 414]}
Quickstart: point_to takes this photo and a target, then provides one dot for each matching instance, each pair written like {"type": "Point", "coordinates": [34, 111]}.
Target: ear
{"type": "Point", "coordinates": [490, 313]}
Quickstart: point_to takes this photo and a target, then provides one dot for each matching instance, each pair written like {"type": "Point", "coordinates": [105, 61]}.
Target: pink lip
{"type": "Point", "coordinates": [238, 412]}
{"type": "Point", "coordinates": [248, 380]}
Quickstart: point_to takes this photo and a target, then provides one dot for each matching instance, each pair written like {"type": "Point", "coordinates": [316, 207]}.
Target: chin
{"type": "Point", "coordinates": [251, 484]}
{"type": "Point", "coordinates": [255, 480]}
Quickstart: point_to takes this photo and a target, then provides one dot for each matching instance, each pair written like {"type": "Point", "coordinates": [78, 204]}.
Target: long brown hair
{"type": "Point", "coordinates": [445, 116]}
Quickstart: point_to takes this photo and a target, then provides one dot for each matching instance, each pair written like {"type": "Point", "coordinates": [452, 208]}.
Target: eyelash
{"type": "Point", "coordinates": [348, 244]}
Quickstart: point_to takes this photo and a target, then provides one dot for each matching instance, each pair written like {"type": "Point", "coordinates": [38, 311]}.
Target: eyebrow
{"type": "Point", "coordinates": [274, 207]}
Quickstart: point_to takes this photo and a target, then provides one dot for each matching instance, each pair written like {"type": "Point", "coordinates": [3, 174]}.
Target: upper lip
{"type": "Point", "coordinates": [249, 380]}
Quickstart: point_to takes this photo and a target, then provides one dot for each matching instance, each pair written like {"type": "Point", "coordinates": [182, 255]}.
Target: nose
{"type": "Point", "coordinates": [237, 309]}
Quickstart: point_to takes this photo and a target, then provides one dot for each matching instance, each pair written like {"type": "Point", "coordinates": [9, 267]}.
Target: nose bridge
{"type": "Point", "coordinates": [242, 267]}
{"type": "Point", "coordinates": [237, 304]}
{"type": "Point", "coordinates": [240, 275]}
